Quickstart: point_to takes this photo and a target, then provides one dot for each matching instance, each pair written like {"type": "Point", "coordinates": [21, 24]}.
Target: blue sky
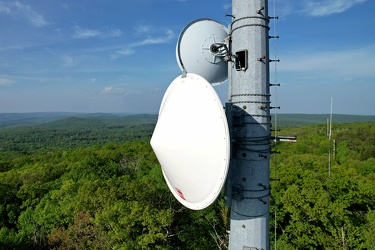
{"type": "Point", "coordinates": [119, 56]}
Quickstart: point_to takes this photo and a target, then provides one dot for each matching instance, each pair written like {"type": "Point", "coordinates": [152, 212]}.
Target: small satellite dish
{"type": "Point", "coordinates": [200, 50]}
{"type": "Point", "coordinates": [191, 141]}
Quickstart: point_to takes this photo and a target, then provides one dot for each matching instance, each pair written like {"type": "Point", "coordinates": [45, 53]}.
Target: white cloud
{"type": "Point", "coordinates": [116, 91]}
{"type": "Point", "coordinates": [107, 91]}
{"type": "Point", "coordinates": [4, 8]}
{"type": "Point", "coordinates": [142, 29]}
{"type": "Point", "coordinates": [122, 53]}
{"type": "Point", "coordinates": [227, 6]}
{"type": "Point", "coordinates": [169, 35]}
{"type": "Point", "coordinates": [316, 8]}
{"type": "Point", "coordinates": [85, 33]}
{"type": "Point", "coordinates": [145, 29]}
{"type": "Point", "coordinates": [5, 82]}
{"type": "Point", "coordinates": [283, 9]}
{"type": "Point", "coordinates": [68, 61]}
{"type": "Point", "coordinates": [19, 10]}
{"type": "Point", "coordinates": [329, 7]}
{"type": "Point", "coordinates": [355, 63]}
{"type": "Point", "coordinates": [115, 32]}
{"type": "Point", "coordinates": [65, 6]}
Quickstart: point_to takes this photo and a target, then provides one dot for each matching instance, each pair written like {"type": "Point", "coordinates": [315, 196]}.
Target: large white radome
{"type": "Point", "coordinates": [191, 141]}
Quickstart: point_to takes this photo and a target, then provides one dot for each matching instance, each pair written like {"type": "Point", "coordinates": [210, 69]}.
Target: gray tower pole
{"type": "Point", "coordinates": [248, 113]}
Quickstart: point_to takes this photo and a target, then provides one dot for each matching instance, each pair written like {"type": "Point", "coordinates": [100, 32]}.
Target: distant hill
{"type": "Point", "coordinates": [73, 132]}
{"type": "Point", "coordinates": [25, 119]}
{"type": "Point", "coordinates": [70, 119]}
{"type": "Point", "coordinates": [92, 121]}
{"type": "Point", "coordinates": [23, 134]}
{"type": "Point", "coordinates": [297, 120]}
{"type": "Point", "coordinates": [31, 119]}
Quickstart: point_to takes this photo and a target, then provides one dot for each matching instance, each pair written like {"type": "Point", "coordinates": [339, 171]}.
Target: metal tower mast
{"type": "Point", "coordinates": [248, 113]}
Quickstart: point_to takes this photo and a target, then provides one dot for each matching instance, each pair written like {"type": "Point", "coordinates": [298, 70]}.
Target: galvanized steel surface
{"type": "Point", "coordinates": [249, 111]}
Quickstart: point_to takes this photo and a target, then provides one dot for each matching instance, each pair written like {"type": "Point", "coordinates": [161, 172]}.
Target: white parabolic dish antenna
{"type": "Point", "coordinates": [191, 141]}
{"type": "Point", "coordinates": [200, 50]}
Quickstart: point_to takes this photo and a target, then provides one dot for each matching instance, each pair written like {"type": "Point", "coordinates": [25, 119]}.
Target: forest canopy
{"type": "Point", "coordinates": [71, 193]}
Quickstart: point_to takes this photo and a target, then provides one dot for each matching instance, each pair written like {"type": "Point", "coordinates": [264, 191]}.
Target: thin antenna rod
{"type": "Point", "coordinates": [330, 121]}
{"type": "Point", "coordinates": [329, 140]}
{"type": "Point", "coordinates": [275, 119]}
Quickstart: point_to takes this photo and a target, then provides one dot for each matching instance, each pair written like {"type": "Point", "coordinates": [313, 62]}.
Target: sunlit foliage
{"type": "Point", "coordinates": [111, 195]}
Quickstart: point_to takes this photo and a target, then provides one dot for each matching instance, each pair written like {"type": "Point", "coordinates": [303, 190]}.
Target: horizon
{"type": "Point", "coordinates": [130, 113]}
{"type": "Point", "coordinates": [119, 57]}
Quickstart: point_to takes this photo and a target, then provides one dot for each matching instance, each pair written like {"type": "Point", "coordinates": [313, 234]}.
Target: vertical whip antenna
{"type": "Point", "coordinates": [275, 119]}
